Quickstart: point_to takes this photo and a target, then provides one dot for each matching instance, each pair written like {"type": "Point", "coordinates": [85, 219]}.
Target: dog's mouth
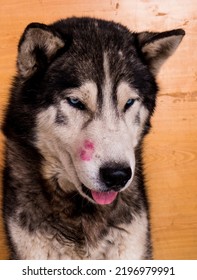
{"type": "Point", "coordinates": [102, 198]}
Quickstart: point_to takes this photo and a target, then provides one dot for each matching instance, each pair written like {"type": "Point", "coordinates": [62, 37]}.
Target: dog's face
{"type": "Point", "coordinates": [95, 93]}
{"type": "Point", "coordinates": [93, 142]}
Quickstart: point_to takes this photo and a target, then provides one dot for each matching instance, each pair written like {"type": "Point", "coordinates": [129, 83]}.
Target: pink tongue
{"type": "Point", "coordinates": [104, 197]}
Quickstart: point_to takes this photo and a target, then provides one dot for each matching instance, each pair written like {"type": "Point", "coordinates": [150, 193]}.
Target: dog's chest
{"type": "Point", "coordinates": [125, 242]}
{"type": "Point", "coordinates": [128, 241]}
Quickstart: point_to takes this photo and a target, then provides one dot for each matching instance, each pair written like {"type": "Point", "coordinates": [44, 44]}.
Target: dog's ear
{"type": "Point", "coordinates": [37, 46]}
{"type": "Point", "coordinates": [157, 47]}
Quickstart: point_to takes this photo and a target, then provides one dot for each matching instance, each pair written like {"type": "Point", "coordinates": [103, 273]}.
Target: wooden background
{"type": "Point", "coordinates": [171, 148]}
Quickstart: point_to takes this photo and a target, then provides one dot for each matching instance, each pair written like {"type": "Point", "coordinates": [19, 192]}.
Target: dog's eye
{"type": "Point", "coordinates": [129, 103]}
{"type": "Point", "coordinates": [76, 103]}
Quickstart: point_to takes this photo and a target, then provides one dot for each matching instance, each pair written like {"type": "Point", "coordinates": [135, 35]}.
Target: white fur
{"type": "Point", "coordinates": [43, 246]}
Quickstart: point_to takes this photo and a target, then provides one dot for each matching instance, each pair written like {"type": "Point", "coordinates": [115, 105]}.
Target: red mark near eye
{"type": "Point", "coordinates": [86, 152]}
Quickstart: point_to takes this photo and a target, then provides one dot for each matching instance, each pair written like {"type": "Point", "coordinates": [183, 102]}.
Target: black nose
{"type": "Point", "coordinates": [116, 176]}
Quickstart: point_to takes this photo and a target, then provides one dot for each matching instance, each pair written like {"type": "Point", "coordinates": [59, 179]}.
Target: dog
{"type": "Point", "coordinates": [79, 108]}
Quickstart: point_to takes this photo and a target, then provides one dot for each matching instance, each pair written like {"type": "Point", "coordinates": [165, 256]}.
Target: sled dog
{"type": "Point", "coordinates": [80, 106]}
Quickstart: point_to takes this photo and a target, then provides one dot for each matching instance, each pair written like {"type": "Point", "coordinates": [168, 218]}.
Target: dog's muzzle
{"type": "Point", "coordinates": [113, 178]}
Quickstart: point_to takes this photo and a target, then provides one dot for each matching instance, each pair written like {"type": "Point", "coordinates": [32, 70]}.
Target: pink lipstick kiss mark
{"type": "Point", "coordinates": [87, 151]}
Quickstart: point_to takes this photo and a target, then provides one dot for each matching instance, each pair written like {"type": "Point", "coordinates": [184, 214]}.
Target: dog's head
{"type": "Point", "coordinates": [89, 85]}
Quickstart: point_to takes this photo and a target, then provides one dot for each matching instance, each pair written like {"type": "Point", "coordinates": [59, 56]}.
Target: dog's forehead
{"type": "Point", "coordinates": [108, 86]}
{"type": "Point", "coordinates": [104, 63]}
{"type": "Point", "coordinates": [119, 88]}
{"type": "Point", "coordinates": [87, 52]}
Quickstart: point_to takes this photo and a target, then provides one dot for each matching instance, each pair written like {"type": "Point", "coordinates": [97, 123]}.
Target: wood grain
{"type": "Point", "coordinates": [170, 150]}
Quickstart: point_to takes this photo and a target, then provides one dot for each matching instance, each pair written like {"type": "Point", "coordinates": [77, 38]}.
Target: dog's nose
{"type": "Point", "coordinates": [115, 177]}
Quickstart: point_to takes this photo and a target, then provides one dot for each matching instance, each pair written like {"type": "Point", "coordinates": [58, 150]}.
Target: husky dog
{"type": "Point", "coordinates": [80, 106]}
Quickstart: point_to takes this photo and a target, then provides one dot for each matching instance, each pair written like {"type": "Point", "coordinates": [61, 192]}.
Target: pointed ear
{"type": "Point", "coordinates": [37, 46]}
{"type": "Point", "coordinates": [157, 47]}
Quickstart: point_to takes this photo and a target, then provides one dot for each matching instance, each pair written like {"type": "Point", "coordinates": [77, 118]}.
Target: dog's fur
{"type": "Point", "coordinates": [80, 106]}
